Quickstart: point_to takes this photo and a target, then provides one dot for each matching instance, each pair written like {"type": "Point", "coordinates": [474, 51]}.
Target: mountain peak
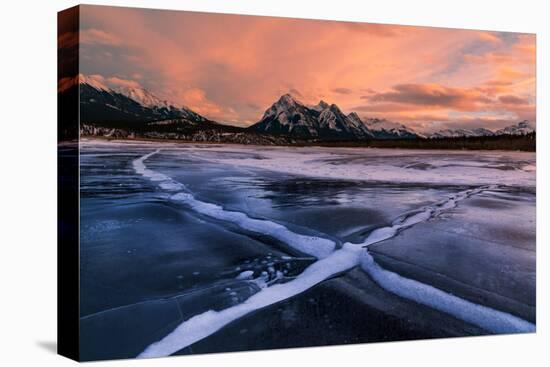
{"type": "Point", "coordinates": [143, 96]}
{"type": "Point", "coordinates": [384, 128]}
{"type": "Point", "coordinates": [94, 81]}
{"type": "Point", "coordinates": [138, 94]}
{"type": "Point", "coordinates": [354, 117]}
{"type": "Point", "coordinates": [322, 105]}
{"type": "Point", "coordinates": [335, 108]}
{"type": "Point", "coordinates": [326, 121]}
{"type": "Point", "coordinates": [287, 99]}
{"type": "Point", "coordinates": [287, 110]}
{"type": "Point", "coordinates": [124, 103]}
{"type": "Point", "coordinates": [521, 128]}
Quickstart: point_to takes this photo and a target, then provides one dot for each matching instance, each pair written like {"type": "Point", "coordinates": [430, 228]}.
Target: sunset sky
{"type": "Point", "coordinates": [231, 68]}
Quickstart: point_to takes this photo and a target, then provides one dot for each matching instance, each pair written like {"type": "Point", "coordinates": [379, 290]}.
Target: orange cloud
{"type": "Point", "coordinates": [233, 67]}
{"type": "Point", "coordinates": [96, 36]}
{"type": "Point", "coordinates": [343, 90]}
{"type": "Point", "coordinates": [526, 47]}
{"type": "Point", "coordinates": [433, 96]}
{"type": "Point", "coordinates": [490, 37]}
{"type": "Point", "coordinates": [196, 99]}
{"type": "Point", "coordinates": [120, 82]}
{"type": "Point", "coordinates": [428, 103]}
{"type": "Point", "coordinates": [514, 100]}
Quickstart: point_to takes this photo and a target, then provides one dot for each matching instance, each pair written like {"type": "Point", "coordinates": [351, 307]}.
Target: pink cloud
{"type": "Point", "coordinates": [115, 81]}
{"type": "Point", "coordinates": [96, 36]}
{"type": "Point", "coordinates": [223, 64]}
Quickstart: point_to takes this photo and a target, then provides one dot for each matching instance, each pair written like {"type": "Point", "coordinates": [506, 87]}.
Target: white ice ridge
{"type": "Point", "coordinates": [311, 245]}
{"type": "Point", "coordinates": [200, 326]}
{"type": "Point", "coordinates": [165, 182]}
{"type": "Point", "coordinates": [421, 215]}
{"type": "Point", "coordinates": [331, 263]}
{"type": "Point", "coordinates": [487, 318]}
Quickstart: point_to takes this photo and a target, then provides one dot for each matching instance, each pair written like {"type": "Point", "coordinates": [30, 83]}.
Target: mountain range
{"type": "Point", "coordinates": [287, 116]}
{"type": "Point", "coordinates": [521, 128]}
{"type": "Point", "coordinates": [326, 122]}
{"type": "Point", "coordinates": [99, 102]}
{"type": "Point", "coordinates": [127, 111]}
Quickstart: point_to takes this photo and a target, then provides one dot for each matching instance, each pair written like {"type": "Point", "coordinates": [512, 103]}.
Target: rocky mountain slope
{"type": "Point", "coordinates": [134, 112]}
{"type": "Point", "coordinates": [521, 128]}
{"type": "Point", "coordinates": [288, 116]}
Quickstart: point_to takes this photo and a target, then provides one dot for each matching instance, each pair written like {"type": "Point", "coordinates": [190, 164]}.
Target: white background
{"type": "Point", "coordinates": [28, 182]}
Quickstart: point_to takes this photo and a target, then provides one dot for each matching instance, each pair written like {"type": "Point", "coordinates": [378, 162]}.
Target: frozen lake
{"type": "Point", "coordinates": [189, 248]}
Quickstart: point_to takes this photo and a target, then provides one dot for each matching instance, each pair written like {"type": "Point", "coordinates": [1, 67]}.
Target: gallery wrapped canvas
{"type": "Point", "coordinates": [236, 183]}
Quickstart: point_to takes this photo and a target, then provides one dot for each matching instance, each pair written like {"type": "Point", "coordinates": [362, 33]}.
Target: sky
{"type": "Point", "coordinates": [231, 68]}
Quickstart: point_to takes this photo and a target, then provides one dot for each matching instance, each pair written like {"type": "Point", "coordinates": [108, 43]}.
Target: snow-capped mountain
{"type": "Point", "coordinates": [95, 83]}
{"type": "Point", "coordinates": [324, 121]}
{"type": "Point", "coordinates": [101, 103]}
{"type": "Point", "coordinates": [358, 124]}
{"type": "Point", "coordinates": [481, 131]}
{"type": "Point", "coordinates": [131, 111]}
{"type": "Point", "coordinates": [162, 107]}
{"type": "Point", "coordinates": [290, 117]}
{"type": "Point", "coordinates": [385, 129]}
{"type": "Point", "coordinates": [320, 106]}
{"type": "Point", "coordinates": [333, 121]}
{"type": "Point", "coordinates": [460, 133]}
{"type": "Point", "coordinates": [143, 97]}
{"type": "Point", "coordinates": [521, 128]}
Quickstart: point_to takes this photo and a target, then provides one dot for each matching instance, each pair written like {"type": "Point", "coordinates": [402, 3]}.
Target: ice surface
{"type": "Point", "coordinates": [207, 323]}
{"type": "Point", "coordinates": [485, 317]}
{"type": "Point", "coordinates": [441, 168]}
{"type": "Point", "coordinates": [419, 216]}
{"type": "Point", "coordinates": [164, 181]}
{"type": "Point", "coordinates": [482, 251]}
{"type": "Point", "coordinates": [311, 245]}
{"type": "Point", "coordinates": [385, 165]}
{"type": "Point", "coordinates": [372, 164]}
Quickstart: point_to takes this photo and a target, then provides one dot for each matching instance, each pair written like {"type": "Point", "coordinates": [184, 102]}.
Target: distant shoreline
{"type": "Point", "coordinates": [523, 143]}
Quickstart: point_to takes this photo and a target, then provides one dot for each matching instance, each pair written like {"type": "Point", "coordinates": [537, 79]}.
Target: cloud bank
{"type": "Point", "coordinates": [231, 68]}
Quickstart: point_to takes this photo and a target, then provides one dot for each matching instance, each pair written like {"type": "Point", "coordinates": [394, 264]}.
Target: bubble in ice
{"type": "Point", "coordinates": [248, 274]}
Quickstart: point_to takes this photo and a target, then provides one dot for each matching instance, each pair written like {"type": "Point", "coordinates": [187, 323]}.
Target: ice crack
{"type": "Point", "coordinates": [331, 263]}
